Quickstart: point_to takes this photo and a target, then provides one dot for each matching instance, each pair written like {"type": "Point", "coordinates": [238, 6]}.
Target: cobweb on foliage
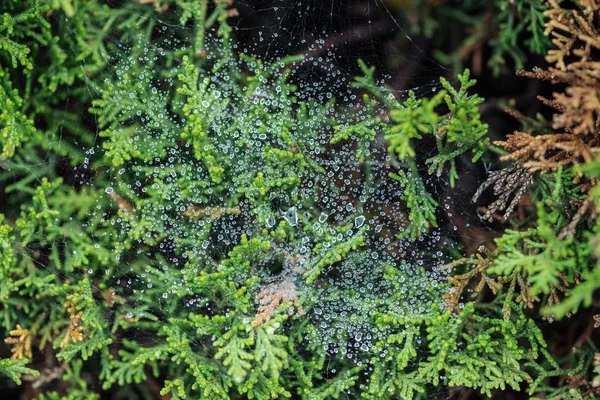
{"type": "Point", "coordinates": [331, 36]}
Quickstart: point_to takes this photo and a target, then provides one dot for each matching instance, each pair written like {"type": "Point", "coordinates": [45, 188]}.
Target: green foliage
{"type": "Point", "coordinates": [463, 131]}
{"type": "Point", "coordinates": [194, 255]}
{"type": "Point", "coordinates": [18, 25]}
{"type": "Point", "coordinates": [548, 261]}
{"type": "Point", "coordinates": [364, 132]}
{"type": "Point", "coordinates": [484, 352]}
{"type": "Point", "coordinates": [580, 295]}
{"type": "Point", "coordinates": [420, 203]}
{"type": "Point", "coordinates": [492, 355]}
{"type": "Point", "coordinates": [548, 257]}
{"type": "Point", "coordinates": [579, 273]}
{"type": "Point", "coordinates": [515, 21]}
{"type": "Point", "coordinates": [16, 127]}
{"type": "Point", "coordinates": [201, 110]}
{"type": "Point", "coordinates": [510, 30]}
{"type": "Point", "coordinates": [14, 368]}
{"type": "Point", "coordinates": [456, 132]}
{"type": "Point", "coordinates": [85, 333]}
{"type": "Point", "coordinates": [572, 366]}
{"type": "Point", "coordinates": [412, 120]}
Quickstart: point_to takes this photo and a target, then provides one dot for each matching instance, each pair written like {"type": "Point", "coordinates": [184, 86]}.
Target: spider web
{"type": "Point", "coordinates": [331, 36]}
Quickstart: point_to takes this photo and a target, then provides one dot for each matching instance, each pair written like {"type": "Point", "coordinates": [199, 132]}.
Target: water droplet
{"type": "Point", "coordinates": [291, 217]}
{"type": "Point", "coordinates": [359, 221]}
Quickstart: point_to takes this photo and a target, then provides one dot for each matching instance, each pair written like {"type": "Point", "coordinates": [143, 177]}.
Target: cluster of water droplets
{"type": "Point", "coordinates": [183, 213]}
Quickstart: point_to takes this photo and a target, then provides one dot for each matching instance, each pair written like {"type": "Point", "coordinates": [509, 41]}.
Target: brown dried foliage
{"type": "Point", "coordinates": [111, 297]}
{"type": "Point", "coordinates": [123, 204]}
{"type": "Point", "coordinates": [512, 181]}
{"type": "Point", "coordinates": [589, 389]}
{"type": "Point", "coordinates": [75, 330]}
{"type": "Point", "coordinates": [574, 63]}
{"type": "Point", "coordinates": [281, 291]}
{"type": "Point", "coordinates": [20, 339]}
{"type": "Point", "coordinates": [483, 260]}
{"type": "Point", "coordinates": [272, 296]}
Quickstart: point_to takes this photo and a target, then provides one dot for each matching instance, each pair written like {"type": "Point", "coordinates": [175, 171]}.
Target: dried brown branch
{"type": "Point", "coordinates": [511, 181]}
{"type": "Point", "coordinates": [569, 230]}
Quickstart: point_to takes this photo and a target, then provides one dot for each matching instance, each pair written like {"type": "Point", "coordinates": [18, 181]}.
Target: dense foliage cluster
{"type": "Point", "coordinates": [183, 219]}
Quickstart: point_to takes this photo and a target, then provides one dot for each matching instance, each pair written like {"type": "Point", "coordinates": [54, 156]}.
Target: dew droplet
{"type": "Point", "coordinates": [359, 221]}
